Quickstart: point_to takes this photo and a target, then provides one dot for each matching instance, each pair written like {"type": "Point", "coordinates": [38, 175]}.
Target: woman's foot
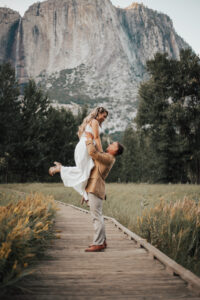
{"type": "Point", "coordinates": [55, 169]}
{"type": "Point", "coordinates": [57, 164]}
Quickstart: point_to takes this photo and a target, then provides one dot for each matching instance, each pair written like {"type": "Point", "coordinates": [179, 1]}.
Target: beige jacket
{"type": "Point", "coordinates": [103, 164]}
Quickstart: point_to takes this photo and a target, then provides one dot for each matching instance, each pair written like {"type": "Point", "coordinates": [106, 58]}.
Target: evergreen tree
{"type": "Point", "coordinates": [152, 117]}
{"type": "Point", "coordinates": [60, 138]}
{"type": "Point", "coordinates": [82, 113]}
{"type": "Point", "coordinates": [168, 113]}
{"type": "Point", "coordinates": [9, 121]}
{"type": "Point", "coordinates": [186, 110]}
{"type": "Point", "coordinates": [47, 135]}
{"type": "Point", "coordinates": [33, 134]}
{"type": "Point", "coordinates": [130, 158]}
{"type": "Point", "coordinates": [34, 113]}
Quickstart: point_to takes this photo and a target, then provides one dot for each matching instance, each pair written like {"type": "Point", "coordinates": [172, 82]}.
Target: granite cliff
{"type": "Point", "coordinates": [87, 51]}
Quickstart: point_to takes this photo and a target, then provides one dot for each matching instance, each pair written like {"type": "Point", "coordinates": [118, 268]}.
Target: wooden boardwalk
{"type": "Point", "coordinates": [122, 271]}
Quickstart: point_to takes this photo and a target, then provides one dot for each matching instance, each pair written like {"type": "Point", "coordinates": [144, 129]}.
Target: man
{"type": "Point", "coordinates": [96, 188]}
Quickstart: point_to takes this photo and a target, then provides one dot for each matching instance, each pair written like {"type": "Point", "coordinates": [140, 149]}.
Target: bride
{"type": "Point", "coordinates": [77, 176]}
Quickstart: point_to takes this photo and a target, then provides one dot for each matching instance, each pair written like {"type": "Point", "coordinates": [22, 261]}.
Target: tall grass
{"type": "Point", "coordinates": [25, 227]}
{"type": "Point", "coordinates": [174, 228]}
{"type": "Point", "coordinates": [124, 201]}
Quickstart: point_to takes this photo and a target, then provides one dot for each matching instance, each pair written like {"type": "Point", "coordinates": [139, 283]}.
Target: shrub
{"type": "Point", "coordinates": [25, 227]}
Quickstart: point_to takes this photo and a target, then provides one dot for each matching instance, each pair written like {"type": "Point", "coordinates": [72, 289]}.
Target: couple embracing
{"type": "Point", "coordinates": [92, 167]}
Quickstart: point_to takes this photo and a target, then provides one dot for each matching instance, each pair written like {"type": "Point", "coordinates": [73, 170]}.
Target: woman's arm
{"type": "Point", "coordinates": [95, 129]}
{"type": "Point", "coordinates": [104, 158]}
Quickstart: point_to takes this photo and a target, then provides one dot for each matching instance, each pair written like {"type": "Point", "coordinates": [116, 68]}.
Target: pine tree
{"type": "Point", "coordinates": [130, 158]}
{"type": "Point", "coordinates": [9, 121]}
{"type": "Point", "coordinates": [34, 111]}
{"type": "Point", "coordinates": [61, 138]}
{"type": "Point", "coordinates": [168, 109]}
{"type": "Point", "coordinates": [82, 113]}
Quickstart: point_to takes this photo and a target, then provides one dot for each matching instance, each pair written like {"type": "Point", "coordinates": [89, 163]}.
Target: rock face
{"type": "Point", "coordinates": [88, 51]}
{"type": "Point", "coordinates": [9, 23]}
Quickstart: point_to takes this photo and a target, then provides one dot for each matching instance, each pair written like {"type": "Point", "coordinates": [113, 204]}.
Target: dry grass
{"type": "Point", "coordinates": [25, 227]}
{"type": "Point", "coordinates": [129, 196]}
{"type": "Point", "coordinates": [174, 228]}
{"type": "Point", "coordinates": [124, 201]}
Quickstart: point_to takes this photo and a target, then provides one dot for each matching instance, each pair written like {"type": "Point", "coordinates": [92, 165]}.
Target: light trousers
{"type": "Point", "coordinates": [97, 219]}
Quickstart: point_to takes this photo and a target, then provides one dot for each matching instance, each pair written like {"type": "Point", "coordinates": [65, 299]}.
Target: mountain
{"type": "Point", "coordinates": [9, 21]}
{"type": "Point", "coordinates": [87, 51]}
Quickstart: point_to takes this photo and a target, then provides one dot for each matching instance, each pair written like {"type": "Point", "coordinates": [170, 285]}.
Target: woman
{"type": "Point", "coordinates": [77, 176]}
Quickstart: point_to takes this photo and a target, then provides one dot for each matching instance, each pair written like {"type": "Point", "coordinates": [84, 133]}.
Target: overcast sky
{"type": "Point", "coordinates": [184, 14]}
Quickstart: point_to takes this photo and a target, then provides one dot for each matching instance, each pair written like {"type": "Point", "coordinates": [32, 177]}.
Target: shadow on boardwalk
{"type": "Point", "coordinates": [122, 271]}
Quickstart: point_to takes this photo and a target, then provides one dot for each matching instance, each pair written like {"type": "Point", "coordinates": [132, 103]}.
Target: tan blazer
{"type": "Point", "coordinates": [103, 164]}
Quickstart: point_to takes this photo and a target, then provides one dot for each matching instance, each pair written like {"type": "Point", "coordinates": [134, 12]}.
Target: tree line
{"type": "Point", "coordinates": [33, 134]}
{"type": "Point", "coordinates": [163, 143]}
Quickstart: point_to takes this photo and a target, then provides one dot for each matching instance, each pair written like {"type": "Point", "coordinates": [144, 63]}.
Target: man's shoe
{"type": "Point", "coordinates": [95, 248]}
{"type": "Point", "coordinates": [104, 243]}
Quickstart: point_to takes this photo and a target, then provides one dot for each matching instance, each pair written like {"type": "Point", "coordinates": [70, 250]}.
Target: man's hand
{"type": "Point", "coordinates": [89, 135]}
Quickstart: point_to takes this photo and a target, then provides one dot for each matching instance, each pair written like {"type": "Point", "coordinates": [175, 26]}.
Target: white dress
{"type": "Point", "coordinates": [77, 176]}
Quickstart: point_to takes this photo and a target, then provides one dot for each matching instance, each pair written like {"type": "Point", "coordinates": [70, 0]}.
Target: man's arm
{"type": "Point", "coordinates": [102, 157]}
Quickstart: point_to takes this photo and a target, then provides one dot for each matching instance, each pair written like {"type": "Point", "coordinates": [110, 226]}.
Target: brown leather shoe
{"type": "Point", "coordinates": [95, 248]}
{"type": "Point", "coordinates": [104, 243]}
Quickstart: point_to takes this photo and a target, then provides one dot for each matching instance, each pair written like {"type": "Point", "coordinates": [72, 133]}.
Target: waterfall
{"type": "Point", "coordinates": [17, 55]}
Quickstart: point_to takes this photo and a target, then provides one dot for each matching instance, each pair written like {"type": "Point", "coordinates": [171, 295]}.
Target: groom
{"type": "Point", "coordinates": [96, 187]}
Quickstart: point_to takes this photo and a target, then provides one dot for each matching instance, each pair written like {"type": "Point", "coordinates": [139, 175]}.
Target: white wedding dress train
{"type": "Point", "coordinates": [77, 177]}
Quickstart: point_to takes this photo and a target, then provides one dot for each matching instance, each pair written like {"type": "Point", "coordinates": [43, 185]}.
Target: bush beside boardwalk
{"type": "Point", "coordinates": [25, 227]}
{"type": "Point", "coordinates": [167, 215]}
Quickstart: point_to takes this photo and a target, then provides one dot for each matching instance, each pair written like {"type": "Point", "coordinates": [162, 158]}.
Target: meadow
{"type": "Point", "coordinates": [167, 215]}
{"type": "Point", "coordinates": [124, 201]}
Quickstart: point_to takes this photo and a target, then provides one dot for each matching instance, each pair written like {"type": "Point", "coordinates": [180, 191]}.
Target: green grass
{"type": "Point", "coordinates": [9, 196]}
{"type": "Point", "coordinates": [124, 201]}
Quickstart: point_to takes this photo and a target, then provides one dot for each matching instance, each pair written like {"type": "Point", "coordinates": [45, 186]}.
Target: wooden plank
{"type": "Point", "coordinates": [171, 266]}
{"type": "Point", "coordinates": [104, 297]}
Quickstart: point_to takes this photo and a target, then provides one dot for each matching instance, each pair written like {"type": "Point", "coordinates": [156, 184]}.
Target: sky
{"type": "Point", "coordinates": [184, 14]}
